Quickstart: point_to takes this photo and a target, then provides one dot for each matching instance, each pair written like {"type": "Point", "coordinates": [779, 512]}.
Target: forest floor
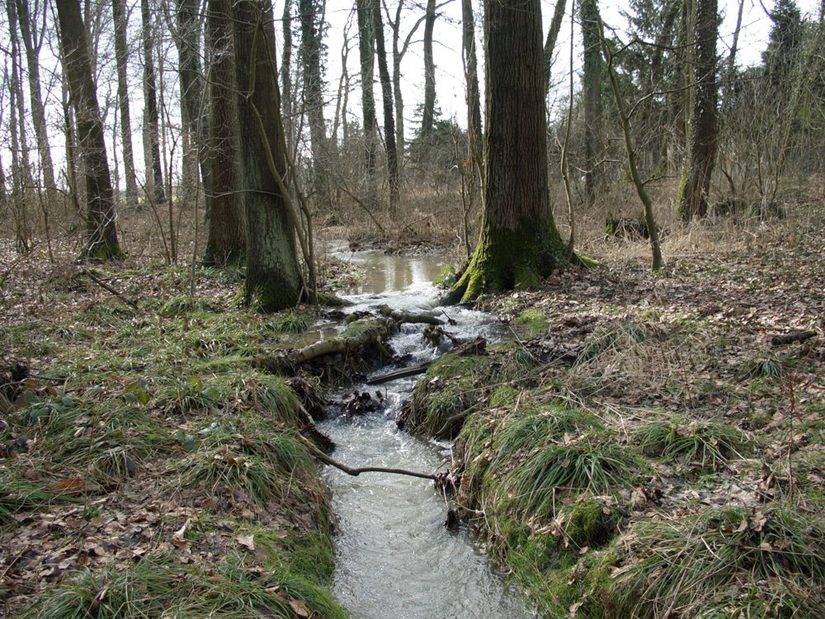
{"type": "Point", "coordinates": [652, 444]}
{"type": "Point", "coordinates": [646, 443]}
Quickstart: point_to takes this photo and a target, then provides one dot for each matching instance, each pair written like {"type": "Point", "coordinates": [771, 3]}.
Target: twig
{"type": "Point", "coordinates": [108, 288]}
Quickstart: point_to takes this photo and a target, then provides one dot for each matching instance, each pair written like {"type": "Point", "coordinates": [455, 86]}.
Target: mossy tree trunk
{"type": "Point", "coordinates": [519, 241]}
{"type": "Point", "coordinates": [273, 280]}
{"type": "Point", "coordinates": [226, 242]}
{"type": "Point", "coordinates": [692, 198]}
{"type": "Point", "coordinates": [102, 241]}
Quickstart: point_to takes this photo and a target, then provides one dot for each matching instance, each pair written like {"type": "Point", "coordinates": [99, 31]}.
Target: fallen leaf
{"type": "Point", "coordinates": [299, 608]}
{"type": "Point", "coordinates": [247, 541]}
{"type": "Point", "coordinates": [178, 536]}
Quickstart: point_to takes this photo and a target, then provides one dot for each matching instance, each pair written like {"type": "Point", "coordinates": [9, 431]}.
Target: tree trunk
{"type": "Point", "coordinates": [698, 169]}
{"type": "Point", "coordinates": [312, 19]}
{"type": "Point", "coordinates": [225, 238]}
{"type": "Point", "coordinates": [121, 58]}
{"type": "Point", "coordinates": [273, 281]}
{"type": "Point", "coordinates": [287, 107]}
{"type": "Point", "coordinates": [397, 55]}
{"type": "Point", "coordinates": [471, 77]}
{"type": "Point", "coordinates": [366, 46]}
{"type": "Point", "coordinates": [32, 41]}
{"type": "Point", "coordinates": [519, 241]}
{"type": "Point", "coordinates": [428, 111]}
{"type": "Point", "coordinates": [550, 42]}
{"type": "Point", "coordinates": [592, 87]}
{"type": "Point", "coordinates": [154, 177]}
{"type": "Point", "coordinates": [102, 235]}
{"type": "Point", "coordinates": [191, 95]}
{"type": "Point", "coordinates": [389, 121]}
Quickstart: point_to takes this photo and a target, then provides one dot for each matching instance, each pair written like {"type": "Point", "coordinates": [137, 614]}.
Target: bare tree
{"type": "Point", "coordinates": [428, 111]}
{"type": "Point", "coordinates": [366, 46]}
{"type": "Point", "coordinates": [154, 172]}
{"type": "Point", "coordinates": [101, 240]}
{"type": "Point", "coordinates": [386, 92]}
{"type": "Point", "coordinates": [121, 59]}
{"type": "Point", "coordinates": [692, 199]}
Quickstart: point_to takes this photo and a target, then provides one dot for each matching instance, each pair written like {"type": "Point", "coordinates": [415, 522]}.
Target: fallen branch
{"type": "Point", "coordinates": [399, 316]}
{"type": "Point", "coordinates": [790, 338]}
{"type": "Point", "coordinates": [372, 334]}
{"type": "Point", "coordinates": [402, 373]}
{"type": "Point", "coordinates": [109, 288]}
{"type": "Point", "coordinates": [356, 471]}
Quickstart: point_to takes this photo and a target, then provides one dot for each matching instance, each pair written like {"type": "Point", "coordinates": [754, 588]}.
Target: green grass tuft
{"type": "Point", "coordinates": [291, 321]}
{"type": "Point", "coordinates": [584, 464]}
{"type": "Point", "coordinates": [708, 445]}
{"type": "Point", "coordinates": [698, 564]}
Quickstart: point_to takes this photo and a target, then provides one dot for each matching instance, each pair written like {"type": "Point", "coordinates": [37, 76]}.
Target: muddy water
{"type": "Point", "coordinates": [394, 557]}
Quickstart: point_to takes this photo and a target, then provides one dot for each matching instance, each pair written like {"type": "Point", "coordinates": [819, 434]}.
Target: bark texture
{"type": "Point", "coordinates": [698, 170]}
{"type": "Point", "coordinates": [366, 48]}
{"type": "Point", "coordinates": [102, 235]}
{"type": "Point", "coordinates": [273, 281]}
{"type": "Point", "coordinates": [312, 17]}
{"type": "Point", "coordinates": [121, 60]}
{"type": "Point", "coordinates": [386, 92]}
{"type": "Point", "coordinates": [519, 241]}
{"type": "Point", "coordinates": [225, 242]}
{"type": "Point", "coordinates": [428, 111]}
{"type": "Point", "coordinates": [592, 93]}
{"type": "Point", "coordinates": [152, 123]}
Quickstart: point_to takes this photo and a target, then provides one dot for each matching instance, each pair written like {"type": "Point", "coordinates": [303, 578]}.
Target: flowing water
{"type": "Point", "coordinates": [394, 557]}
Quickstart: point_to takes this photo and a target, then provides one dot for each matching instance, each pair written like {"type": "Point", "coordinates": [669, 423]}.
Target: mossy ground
{"type": "Point", "coordinates": [147, 466]}
{"type": "Point", "coordinates": [659, 454]}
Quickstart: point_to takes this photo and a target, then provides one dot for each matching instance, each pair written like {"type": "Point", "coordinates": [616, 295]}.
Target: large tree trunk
{"type": "Point", "coordinates": [102, 236]}
{"type": "Point", "coordinates": [154, 176]}
{"type": "Point", "coordinates": [389, 121]}
{"type": "Point", "coordinates": [592, 86]}
{"type": "Point", "coordinates": [273, 281]}
{"type": "Point", "coordinates": [191, 95]}
{"type": "Point", "coordinates": [312, 18]}
{"type": "Point", "coordinates": [32, 41]}
{"type": "Point", "coordinates": [519, 241]}
{"type": "Point", "coordinates": [695, 182]}
{"type": "Point", "coordinates": [366, 47]}
{"type": "Point", "coordinates": [121, 59]}
{"type": "Point", "coordinates": [225, 242]}
{"type": "Point", "coordinates": [287, 107]}
{"type": "Point", "coordinates": [428, 111]}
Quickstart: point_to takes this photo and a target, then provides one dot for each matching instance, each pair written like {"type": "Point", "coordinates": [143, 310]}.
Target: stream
{"type": "Point", "coordinates": [394, 556]}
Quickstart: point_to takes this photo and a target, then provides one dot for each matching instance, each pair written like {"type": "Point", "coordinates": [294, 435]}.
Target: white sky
{"type": "Point", "coordinates": [449, 69]}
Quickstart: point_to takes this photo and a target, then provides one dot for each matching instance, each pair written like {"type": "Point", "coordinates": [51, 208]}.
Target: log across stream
{"type": "Point", "coordinates": [394, 556]}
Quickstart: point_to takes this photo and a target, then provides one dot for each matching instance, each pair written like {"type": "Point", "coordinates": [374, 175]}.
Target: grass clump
{"type": "Point", "coordinates": [583, 464]}
{"type": "Point", "coordinates": [526, 429]}
{"type": "Point", "coordinates": [19, 495]}
{"type": "Point", "coordinates": [245, 466]}
{"type": "Point", "coordinates": [612, 336]}
{"type": "Point", "coordinates": [291, 321]}
{"type": "Point", "coordinates": [708, 445]}
{"type": "Point", "coordinates": [441, 401]}
{"type": "Point", "coordinates": [725, 563]}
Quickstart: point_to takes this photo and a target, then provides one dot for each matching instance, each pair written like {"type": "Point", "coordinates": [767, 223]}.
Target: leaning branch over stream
{"type": "Point", "coordinates": [356, 471]}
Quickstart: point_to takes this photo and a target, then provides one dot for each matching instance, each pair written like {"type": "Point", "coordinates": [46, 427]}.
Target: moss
{"type": "Point", "coordinates": [589, 523]}
{"type": "Point", "coordinates": [533, 320]}
{"type": "Point", "coordinates": [504, 395]}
